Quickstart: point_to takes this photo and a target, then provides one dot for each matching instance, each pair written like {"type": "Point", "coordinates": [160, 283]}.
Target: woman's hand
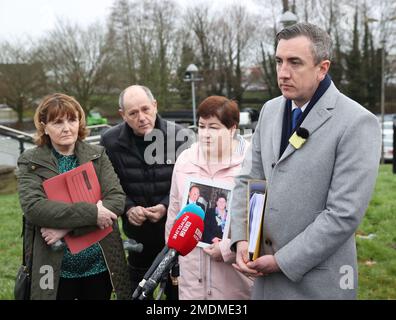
{"type": "Point", "coordinates": [50, 235]}
{"type": "Point", "coordinates": [105, 216]}
{"type": "Point", "coordinates": [214, 251]}
{"type": "Point", "coordinates": [242, 260]}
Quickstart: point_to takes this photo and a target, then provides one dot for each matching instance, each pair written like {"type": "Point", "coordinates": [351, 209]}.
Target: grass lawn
{"type": "Point", "coordinates": [10, 243]}
{"type": "Point", "coordinates": [376, 256]}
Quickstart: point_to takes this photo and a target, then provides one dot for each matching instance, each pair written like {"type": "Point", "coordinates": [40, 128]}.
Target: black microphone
{"type": "Point", "coordinates": [183, 238]}
{"type": "Point", "coordinates": [131, 245]}
{"type": "Point", "coordinates": [163, 268]}
{"type": "Point", "coordinates": [160, 256]}
{"type": "Point", "coordinates": [191, 208]}
{"type": "Point", "coordinates": [302, 132]}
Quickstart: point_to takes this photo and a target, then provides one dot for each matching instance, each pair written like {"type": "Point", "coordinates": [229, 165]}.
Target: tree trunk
{"type": "Point", "coordinates": [285, 4]}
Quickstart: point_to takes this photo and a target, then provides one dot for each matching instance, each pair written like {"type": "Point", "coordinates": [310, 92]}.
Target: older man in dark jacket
{"type": "Point", "coordinates": [143, 150]}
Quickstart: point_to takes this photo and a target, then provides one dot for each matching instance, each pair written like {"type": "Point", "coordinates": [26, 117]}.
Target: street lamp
{"type": "Point", "coordinates": [191, 76]}
{"type": "Point", "coordinates": [288, 18]}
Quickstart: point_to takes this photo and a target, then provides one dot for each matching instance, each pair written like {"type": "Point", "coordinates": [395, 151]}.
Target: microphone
{"type": "Point", "coordinates": [302, 132]}
{"type": "Point", "coordinates": [191, 208]}
{"type": "Point", "coordinates": [131, 245]}
{"type": "Point", "coordinates": [160, 256]}
{"type": "Point", "coordinates": [183, 238]}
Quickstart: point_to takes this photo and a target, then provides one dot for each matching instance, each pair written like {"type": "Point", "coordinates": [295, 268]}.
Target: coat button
{"type": "Point", "coordinates": [33, 167]}
{"type": "Point", "coordinates": [268, 242]}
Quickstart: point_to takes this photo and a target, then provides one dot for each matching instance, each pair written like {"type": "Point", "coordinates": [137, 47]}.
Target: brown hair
{"type": "Point", "coordinates": [321, 41]}
{"type": "Point", "coordinates": [225, 110]}
{"type": "Point", "coordinates": [53, 107]}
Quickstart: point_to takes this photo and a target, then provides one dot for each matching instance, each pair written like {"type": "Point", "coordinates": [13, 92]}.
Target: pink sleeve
{"type": "Point", "coordinates": [228, 255]}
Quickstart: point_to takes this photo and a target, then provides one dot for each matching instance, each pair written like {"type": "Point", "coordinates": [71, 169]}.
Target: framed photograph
{"type": "Point", "coordinates": [215, 200]}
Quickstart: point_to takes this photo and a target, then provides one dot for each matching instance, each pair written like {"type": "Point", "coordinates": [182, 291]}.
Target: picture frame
{"type": "Point", "coordinates": [210, 192]}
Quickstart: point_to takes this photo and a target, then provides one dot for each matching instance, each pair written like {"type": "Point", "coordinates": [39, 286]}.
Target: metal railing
{"type": "Point", "coordinates": [20, 136]}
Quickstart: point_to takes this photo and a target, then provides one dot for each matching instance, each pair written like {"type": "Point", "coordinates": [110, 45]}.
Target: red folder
{"type": "Point", "coordinates": [78, 185]}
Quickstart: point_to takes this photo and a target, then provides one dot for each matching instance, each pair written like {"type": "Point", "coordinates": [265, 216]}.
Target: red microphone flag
{"type": "Point", "coordinates": [186, 233]}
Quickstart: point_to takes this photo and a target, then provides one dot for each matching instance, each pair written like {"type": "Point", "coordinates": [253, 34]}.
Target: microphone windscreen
{"type": "Point", "coordinates": [192, 208]}
{"type": "Point", "coordinates": [186, 233]}
{"type": "Point", "coordinates": [303, 133]}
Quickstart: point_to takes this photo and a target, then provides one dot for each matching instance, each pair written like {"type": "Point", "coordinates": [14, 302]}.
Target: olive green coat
{"type": "Point", "coordinates": [35, 166]}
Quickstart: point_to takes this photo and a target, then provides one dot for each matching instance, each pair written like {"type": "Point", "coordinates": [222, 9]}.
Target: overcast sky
{"type": "Point", "coordinates": [20, 18]}
{"type": "Point", "coordinates": [31, 18]}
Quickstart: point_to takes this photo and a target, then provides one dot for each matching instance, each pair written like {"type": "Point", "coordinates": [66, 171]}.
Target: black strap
{"type": "Point", "coordinates": [23, 240]}
{"type": "Point", "coordinates": [28, 240]}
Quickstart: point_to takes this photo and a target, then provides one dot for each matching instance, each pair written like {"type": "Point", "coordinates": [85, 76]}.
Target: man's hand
{"type": "Point", "coordinates": [105, 216]}
{"type": "Point", "coordinates": [137, 215]}
{"type": "Point", "coordinates": [242, 260]}
{"type": "Point", "coordinates": [50, 235]}
{"type": "Point", "coordinates": [154, 214]}
{"type": "Point", "coordinates": [265, 264]}
{"type": "Point", "coordinates": [214, 250]}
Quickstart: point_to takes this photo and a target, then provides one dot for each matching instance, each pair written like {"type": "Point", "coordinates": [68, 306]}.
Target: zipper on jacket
{"type": "Point", "coordinates": [108, 269]}
{"type": "Point", "coordinates": [200, 266]}
{"type": "Point", "coordinates": [209, 278]}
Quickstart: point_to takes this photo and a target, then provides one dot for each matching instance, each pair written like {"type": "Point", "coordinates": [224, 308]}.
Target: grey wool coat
{"type": "Point", "coordinates": [316, 197]}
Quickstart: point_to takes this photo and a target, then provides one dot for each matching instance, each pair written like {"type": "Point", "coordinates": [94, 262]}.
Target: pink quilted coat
{"type": "Point", "coordinates": [201, 277]}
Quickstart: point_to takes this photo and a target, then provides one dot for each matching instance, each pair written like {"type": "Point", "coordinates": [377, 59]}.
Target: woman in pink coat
{"type": "Point", "coordinates": [218, 154]}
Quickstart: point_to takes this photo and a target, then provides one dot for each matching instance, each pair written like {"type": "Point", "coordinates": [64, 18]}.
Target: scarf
{"type": "Point", "coordinates": [286, 127]}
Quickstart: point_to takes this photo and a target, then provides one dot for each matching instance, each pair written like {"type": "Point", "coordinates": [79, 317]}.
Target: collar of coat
{"type": "Point", "coordinates": [44, 156]}
{"type": "Point", "coordinates": [320, 113]}
{"type": "Point", "coordinates": [126, 137]}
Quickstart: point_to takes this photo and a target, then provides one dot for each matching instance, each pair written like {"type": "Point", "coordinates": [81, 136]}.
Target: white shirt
{"type": "Point", "coordinates": [294, 106]}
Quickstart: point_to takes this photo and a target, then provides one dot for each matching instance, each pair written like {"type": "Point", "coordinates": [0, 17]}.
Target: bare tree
{"type": "Point", "coordinates": [122, 41]}
{"type": "Point", "coordinates": [239, 26]}
{"type": "Point", "coordinates": [202, 25]}
{"type": "Point", "coordinates": [22, 79]}
{"type": "Point", "coordinates": [164, 24]}
{"type": "Point", "coordinates": [77, 60]}
{"type": "Point", "coordinates": [142, 35]}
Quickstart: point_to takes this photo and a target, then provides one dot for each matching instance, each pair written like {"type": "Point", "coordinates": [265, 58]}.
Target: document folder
{"type": "Point", "coordinates": [77, 185]}
{"type": "Point", "coordinates": [256, 204]}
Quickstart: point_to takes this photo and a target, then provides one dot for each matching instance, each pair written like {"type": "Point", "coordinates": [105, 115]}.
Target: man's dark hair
{"type": "Point", "coordinates": [321, 41]}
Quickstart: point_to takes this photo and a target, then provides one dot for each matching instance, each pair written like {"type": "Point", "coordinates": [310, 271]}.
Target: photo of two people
{"type": "Point", "coordinates": [214, 199]}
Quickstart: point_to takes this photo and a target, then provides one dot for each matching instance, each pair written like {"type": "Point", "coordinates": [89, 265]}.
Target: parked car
{"type": "Point", "coordinates": [95, 118]}
{"type": "Point", "coordinates": [251, 115]}
{"type": "Point", "coordinates": [388, 150]}
{"type": "Point", "coordinates": [254, 114]}
{"type": "Point", "coordinates": [388, 127]}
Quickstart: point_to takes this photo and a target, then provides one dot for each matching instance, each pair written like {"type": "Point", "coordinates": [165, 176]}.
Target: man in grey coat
{"type": "Point", "coordinates": [319, 153]}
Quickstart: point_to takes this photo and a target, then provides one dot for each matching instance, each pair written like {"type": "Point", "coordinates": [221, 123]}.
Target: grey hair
{"type": "Point", "coordinates": [145, 89]}
{"type": "Point", "coordinates": [321, 41]}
